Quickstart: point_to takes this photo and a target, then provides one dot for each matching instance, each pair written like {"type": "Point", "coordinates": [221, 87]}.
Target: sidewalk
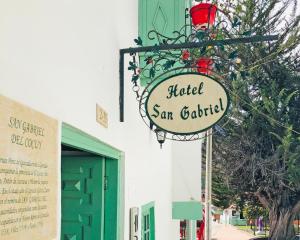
{"type": "Point", "coordinates": [222, 232]}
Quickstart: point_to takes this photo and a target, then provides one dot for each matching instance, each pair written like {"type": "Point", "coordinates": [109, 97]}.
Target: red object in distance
{"type": "Point", "coordinates": [200, 230]}
{"type": "Point", "coordinates": [201, 227]}
{"type": "Point", "coordinates": [203, 15]}
{"type": "Point", "coordinates": [205, 65]}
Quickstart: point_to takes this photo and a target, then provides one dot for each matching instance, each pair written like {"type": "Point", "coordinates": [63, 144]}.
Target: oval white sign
{"type": "Point", "coordinates": [187, 103]}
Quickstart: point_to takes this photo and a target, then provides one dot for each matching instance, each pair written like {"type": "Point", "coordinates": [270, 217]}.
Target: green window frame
{"type": "Point", "coordinates": [148, 221]}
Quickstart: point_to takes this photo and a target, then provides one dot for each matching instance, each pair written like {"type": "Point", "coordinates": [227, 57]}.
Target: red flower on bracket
{"type": "Point", "coordinates": [185, 55]}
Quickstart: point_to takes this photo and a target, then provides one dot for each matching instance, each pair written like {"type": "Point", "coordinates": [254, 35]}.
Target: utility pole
{"type": "Point", "coordinates": [208, 184]}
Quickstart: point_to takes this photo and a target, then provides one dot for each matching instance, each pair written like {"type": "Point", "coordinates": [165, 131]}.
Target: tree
{"type": "Point", "coordinates": [253, 209]}
{"type": "Point", "coordinates": [261, 153]}
{"type": "Point", "coordinates": [222, 195]}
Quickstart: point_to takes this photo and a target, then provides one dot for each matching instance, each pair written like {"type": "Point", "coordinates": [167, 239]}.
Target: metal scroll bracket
{"type": "Point", "coordinates": [188, 45]}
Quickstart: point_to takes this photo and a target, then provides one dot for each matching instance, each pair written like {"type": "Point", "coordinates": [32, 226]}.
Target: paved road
{"type": "Point", "coordinates": [222, 232]}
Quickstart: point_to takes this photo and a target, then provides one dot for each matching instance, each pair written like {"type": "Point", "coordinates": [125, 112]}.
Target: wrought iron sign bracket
{"type": "Point", "coordinates": [188, 45]}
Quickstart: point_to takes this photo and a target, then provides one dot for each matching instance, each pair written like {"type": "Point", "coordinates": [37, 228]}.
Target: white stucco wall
{"type": "Point", "coordinates": [186, 175]}
{"type": "Point", "coordinates": [61, 57]}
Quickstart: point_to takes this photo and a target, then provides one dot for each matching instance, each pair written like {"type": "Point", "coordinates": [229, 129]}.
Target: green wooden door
{"type": "Point", "coordinates": [82, 198]}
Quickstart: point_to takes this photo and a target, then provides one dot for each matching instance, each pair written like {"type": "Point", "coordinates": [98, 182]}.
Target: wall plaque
{"type": "Point", "coordinates": [134, 223]}
{"type": "Point", "coordinates": [187, 103]}
{"type": "Point", "coordinates": [101, 116]}
{"type": "Point", "coordinates": [28, 173]}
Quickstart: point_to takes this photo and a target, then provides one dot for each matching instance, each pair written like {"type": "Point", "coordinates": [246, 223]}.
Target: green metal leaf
{"type": "Point", "coordinates": [236, 22]}
{"type": "Point", "coordinates": [247, 33]}
{"type": "Point", "coordinates": [132, 66]}
{"type": "Point", "coordinates": [233, 76]}
{"type": "Point", "coordinates": [187, 63]}
{"type": "Point", "coordinates": [203, 50]}
{"type": "Point", "coordinates": [233, 54]}
{"type": "Point", "coordinates": [169, 64]}
{"type": "Point", "coordinates": [218, 67]}
{"type": "Point", "coordinates": [135, 78]}
{"type": "Point", "coordinates": [200, 35]}
{"type": "Point", "coordinates": [138, 41]}
{"type": "Point", "coordinates": [244, 74]}
{"type": "Point", "coordinates": [221, 46]}
{"type": "Point", "coordinates": [152, 72]}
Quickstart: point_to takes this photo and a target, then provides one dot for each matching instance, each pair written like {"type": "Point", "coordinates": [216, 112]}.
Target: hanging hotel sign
{"type": "Point", "coordinates": [187, 103]}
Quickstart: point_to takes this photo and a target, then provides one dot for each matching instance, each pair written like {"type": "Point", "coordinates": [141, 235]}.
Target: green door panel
{"type": "Point", "coordinates": [164, 16]}
{"type": "Point", "coordinates": [111, 199]}
{"type": "Point", "coordinates": [82, 197]}
{"type": "Point", "coordinates": [152, 223]}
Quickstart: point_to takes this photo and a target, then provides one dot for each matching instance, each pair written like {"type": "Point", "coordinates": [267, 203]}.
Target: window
{"type": "Point", "coordinates": [148, 222]}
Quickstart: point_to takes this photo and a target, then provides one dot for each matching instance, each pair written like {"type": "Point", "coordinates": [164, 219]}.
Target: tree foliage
{"type": "Point", "coordinates": [261, 153]}
{"type": "Point", "coordinates": [253, 209]}
{"type": "Point", "coordinates": [222, 195]}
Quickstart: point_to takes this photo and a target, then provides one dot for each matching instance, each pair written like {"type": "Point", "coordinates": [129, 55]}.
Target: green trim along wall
{"type": "Point", "coordinates": [187, 210]}
{"type": "Point", "coordinates": [148, 212]}
{"type": "Point", "coordinates": [74, 137]}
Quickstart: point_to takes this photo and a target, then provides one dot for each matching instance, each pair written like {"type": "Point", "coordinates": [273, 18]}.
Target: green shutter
{"type": "Point", "coordinates": [164, 16]}
{"type": "Point", "coordinates": [148, 222]}
{"type": "Point", "coordinates": [152, 223]}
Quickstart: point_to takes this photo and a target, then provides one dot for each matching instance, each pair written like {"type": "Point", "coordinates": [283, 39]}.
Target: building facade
{"type": "Point", "coordinates": [60, 58]}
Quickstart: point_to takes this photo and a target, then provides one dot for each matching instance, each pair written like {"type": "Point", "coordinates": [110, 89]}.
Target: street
{"type": "Point", "coordinates": [228, 232]}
